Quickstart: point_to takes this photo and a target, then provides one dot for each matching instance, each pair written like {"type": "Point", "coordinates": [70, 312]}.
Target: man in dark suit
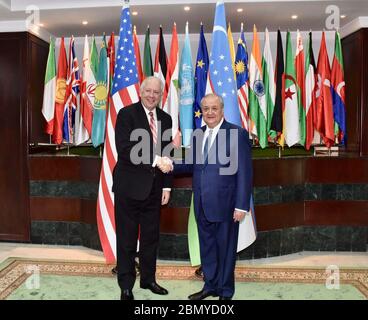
{"type": "Point", "coordinates": [220, 159]}
{"type": "Point", "coordinates": [139, 187]}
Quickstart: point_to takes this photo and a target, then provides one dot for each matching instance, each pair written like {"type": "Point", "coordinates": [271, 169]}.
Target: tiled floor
{"type": "Point", "coordinates": [78, 253]}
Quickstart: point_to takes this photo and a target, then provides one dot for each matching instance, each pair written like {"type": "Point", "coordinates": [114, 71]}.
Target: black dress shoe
{"type": "Point", "coordinates": [199, 272]}
{"type": "Point", "coordinates": [225, 298]}
{"type": "Point", "coordinates": [114, 270]}
{"type": "Point", "coordinates": [155, 288]}
{"type": "Point", "coordinates": [202, 295]}
{"type": "Point", "coordinates": [126, 295]}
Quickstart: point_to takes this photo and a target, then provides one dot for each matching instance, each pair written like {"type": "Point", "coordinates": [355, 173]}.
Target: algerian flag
{"type": "Point", "coordinates": [49, 93]}
{"type": "Point", "coordinates": [291, 116]}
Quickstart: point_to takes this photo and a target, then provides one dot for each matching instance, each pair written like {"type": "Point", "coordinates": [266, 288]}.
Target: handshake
{"type": "Point", "coordinates": [164, 164]}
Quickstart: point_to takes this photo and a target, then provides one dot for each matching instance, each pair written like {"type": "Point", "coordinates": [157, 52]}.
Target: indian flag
{"type": "Point", "coordinates": [257, 98]}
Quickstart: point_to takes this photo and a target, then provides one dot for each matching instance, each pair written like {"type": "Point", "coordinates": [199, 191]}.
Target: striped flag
{"type": "Point", "coordinates": [49, 92]}
{"type": "Point", "coordinates": [338, 91]}
{"type": "Point", "coordinates": [147, 56]}
{"type": "Point", "coordinates": [310, 93]}
{"type": "Point", "coordinates": [160, 69]}
{"type": "Point", "coordinates": [242, 79]}
{"type": "Point", "coordinates": [220, 76]}
{"type": "Point", "coordinates": [276, 123]}
{"type": "Point", "coordinates": [300, 78]}
{"type": "Point", "coordinates": [72, 92]}
{"type": "Point", "coordinates": [257, 99]}
{"type": "Point", "coordinates": [137, 52]}
{"type": "Point", "coordinates": [62, 71]}
{"type": "Point", "coordinates": [83, 114]}
{"type": "Point", "coordinates": [87, 89]}
{"type": "Point", "coordinates": [186, 84]}
{"type": "Point", "coordinates": [268, 80]}
{"type": "Point", "coordinates": [171, 103]}
{"type": "Point", "coordinates": [124, 92]}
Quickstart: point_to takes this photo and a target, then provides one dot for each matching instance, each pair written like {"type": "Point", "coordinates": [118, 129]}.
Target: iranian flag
{"type": "Point", "coordinates": [49, 92]}
{"type": "Point", "coordinates": [291, 111]}
{"type": "Point", "coordinates": [171, 104]}
{"type": "Point", "coordinates": [257, 99]}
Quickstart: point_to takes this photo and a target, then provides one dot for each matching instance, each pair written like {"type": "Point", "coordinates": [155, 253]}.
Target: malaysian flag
{"type": "Point", "coordinates": [124, 92]}
{"type": "Point", "coordinates": [242, 79]}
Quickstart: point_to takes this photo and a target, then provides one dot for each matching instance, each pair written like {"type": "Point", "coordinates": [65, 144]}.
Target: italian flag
{"type": "Point", "coordinates": [49, 93]}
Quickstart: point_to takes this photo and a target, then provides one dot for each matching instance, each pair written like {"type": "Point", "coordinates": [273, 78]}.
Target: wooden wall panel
{"type": "Point", "coordinates": [279, 216]}
{"type": "Point", "coordinates": [63, 209]}
{"type": "Point", "coordinates": [14, 205]}
{"type": "Point", "coordinates": [333, 213]}
{"type": "Point", "coordinates": [37, 55]}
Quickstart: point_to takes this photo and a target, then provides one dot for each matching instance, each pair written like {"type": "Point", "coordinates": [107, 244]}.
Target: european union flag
{"type": "Point", "coordinates": [221, 71]}
{"type": "Point", "coordinates": [200, 78]}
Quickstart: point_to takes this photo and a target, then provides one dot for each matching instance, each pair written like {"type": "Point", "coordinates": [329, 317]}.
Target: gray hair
{"type": "Point", "coordinates": [208, 95]}
{"type": "Point", "coordinates": [149, 79]}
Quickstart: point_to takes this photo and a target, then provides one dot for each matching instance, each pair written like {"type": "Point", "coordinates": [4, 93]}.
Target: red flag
{"type": "Point", "coordinates": [57, 136]}
{"type": "Point", "coordinates": [325, 120]}
{"type": "Point", "coordinates": [111, 56]}
{"type": "Point", "coordinates": [137, 55]}
{"type": "Point", "coordinates": [310, 93]}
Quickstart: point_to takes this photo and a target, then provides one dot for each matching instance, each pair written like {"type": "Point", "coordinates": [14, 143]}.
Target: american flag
{"type": "Point", "coordinates": [125, 90]}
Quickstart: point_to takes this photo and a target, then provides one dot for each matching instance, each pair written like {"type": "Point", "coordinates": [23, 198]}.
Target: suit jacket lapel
{"type": "Point", "coordinates": [213, 151]}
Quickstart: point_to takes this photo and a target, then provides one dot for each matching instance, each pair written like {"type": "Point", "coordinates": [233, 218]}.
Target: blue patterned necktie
{"type": "Point", "coordinates": [206, 147]}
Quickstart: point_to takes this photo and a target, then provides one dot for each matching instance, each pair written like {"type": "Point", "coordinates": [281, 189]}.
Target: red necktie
{"type": "Point", "coordinates": [153, 127]}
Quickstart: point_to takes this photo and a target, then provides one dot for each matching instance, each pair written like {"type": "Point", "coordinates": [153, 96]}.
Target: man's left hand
{"type": "Point", "coordinates": [238, 215]}
{"type": "Point", "coordinates": [165, 197]}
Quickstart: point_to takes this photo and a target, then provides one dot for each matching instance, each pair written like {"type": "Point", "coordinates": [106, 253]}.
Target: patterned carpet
{"type": "Point", "coordinates": [55, 280]}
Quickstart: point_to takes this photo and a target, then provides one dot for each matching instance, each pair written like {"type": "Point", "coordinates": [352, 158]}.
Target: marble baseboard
{"type": "Point", "coordinates": [174, 246]}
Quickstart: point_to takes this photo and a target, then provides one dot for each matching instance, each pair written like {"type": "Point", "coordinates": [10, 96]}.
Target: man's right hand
{"type": "Point", "coordinates": [165, 164]}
